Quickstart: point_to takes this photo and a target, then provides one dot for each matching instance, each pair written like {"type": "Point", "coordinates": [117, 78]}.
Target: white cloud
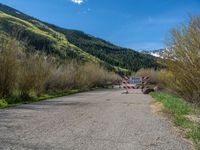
{"type": "Point", "coordinates": [79, 2]}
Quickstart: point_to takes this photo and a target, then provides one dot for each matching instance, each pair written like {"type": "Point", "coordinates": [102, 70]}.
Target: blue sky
{"type": "Point", "coordinates": [136, 24]}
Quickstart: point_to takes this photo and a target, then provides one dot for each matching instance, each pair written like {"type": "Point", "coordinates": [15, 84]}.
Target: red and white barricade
{"type": "Point", "coordinates": [135, 87]}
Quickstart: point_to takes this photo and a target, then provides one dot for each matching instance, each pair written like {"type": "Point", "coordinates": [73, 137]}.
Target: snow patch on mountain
{"type": "Point", "coordinates": [17, 12]}
{"type": "Point", "coordinates": [161, 53]}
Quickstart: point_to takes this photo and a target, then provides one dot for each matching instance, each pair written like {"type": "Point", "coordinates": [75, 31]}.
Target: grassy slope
{"type": "Point", "coordinates": [58, 42]}
{"type": "Point", "coordinates": [179, 109]}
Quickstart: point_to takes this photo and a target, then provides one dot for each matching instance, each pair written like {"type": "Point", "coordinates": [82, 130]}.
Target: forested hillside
{"type": "Point", "coordinates": [70, 43]}
{"type": "Point", "coordinates": [108, 52]}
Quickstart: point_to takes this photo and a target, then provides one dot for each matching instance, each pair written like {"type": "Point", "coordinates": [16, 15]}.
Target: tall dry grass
{"type": "Point", "coordinates": [27, 72]}
{"type": "Point", "coordinates": [34, 71]}
{"type": "Point", "coordinates": [151, 73]}
{"type": "Point", "coordinates": [163, 78]}
{"type": "Point", "coordinates": [10, 51]}
{"type": "Point", "coordinates": [62, 76]}
{"type": "Point", "coordinates": [92, 75]}
{"type": "Point", "coordinates": [166, 78]}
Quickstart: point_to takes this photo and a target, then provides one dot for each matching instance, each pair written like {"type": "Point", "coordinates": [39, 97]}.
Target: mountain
{"type": "Point", "coordinates": [160, 53]}
{"type": "Point", "coordinates": [67, 43]}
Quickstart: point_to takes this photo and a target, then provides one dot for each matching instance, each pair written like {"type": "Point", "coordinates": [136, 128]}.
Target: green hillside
{"type": "Point", "coordinates": [42, 37]}
{"type": "Point", "coordinates": [71, 43]}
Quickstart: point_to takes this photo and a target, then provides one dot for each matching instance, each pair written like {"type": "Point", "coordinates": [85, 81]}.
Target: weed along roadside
{"type": "Point", "coordinates": [14, 101]}
{"type": "Point", "coordinates": [184, 115]}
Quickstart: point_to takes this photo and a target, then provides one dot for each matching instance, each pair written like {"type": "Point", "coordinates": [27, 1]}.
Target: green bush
{"type": "Point", "coordinates": [184, 60]}
{"type": "Point", "coordinates": [3, 103]}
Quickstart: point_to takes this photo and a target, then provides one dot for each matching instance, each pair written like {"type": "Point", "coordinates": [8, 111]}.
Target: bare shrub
{"type": "Point", "coordinates": [9, 64]}
{"type": "Point", "coordinates": [62, 76]}
{"type": "Point", "coordinates": [40, 73]}
{"type": "Point", "coordinates": [185, 61]}
{"type": "Point", "coordinates": [92, 75]}
{"type": "Point", "coordinates": [166, 79]}
{"type": "Point", "coordinates": [34, 73]}
{"type": "Point", "coordinates": [163, 78]}
{"type": "Point", "coordinates": [151, 73]}
{"type": "Point", "coordinates": [27, 72]}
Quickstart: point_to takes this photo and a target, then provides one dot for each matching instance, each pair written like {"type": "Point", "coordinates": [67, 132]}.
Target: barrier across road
{"type": "Point", "coordinates": [131, 84]}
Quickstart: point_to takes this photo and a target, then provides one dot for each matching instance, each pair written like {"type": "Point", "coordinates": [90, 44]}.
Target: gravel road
{"type": "Point", "coordinates": [97, 120]}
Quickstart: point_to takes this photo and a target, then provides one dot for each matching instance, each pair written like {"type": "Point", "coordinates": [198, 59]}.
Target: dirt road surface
{"type": "Point", "coordinates": [97, 120]}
